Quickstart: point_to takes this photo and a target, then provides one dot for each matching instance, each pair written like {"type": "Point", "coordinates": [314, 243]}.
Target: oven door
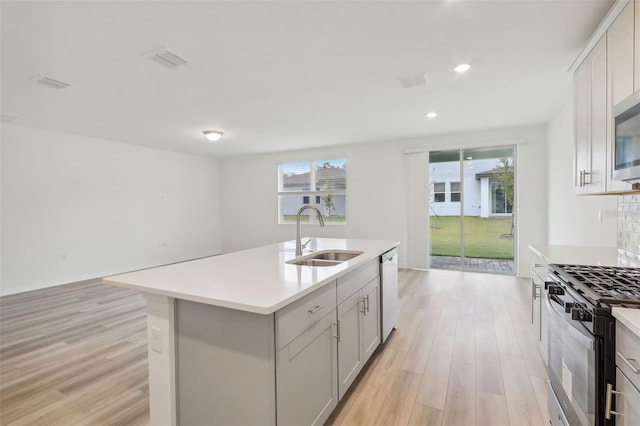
{"type": "Point", "coordinates": [573, 354]}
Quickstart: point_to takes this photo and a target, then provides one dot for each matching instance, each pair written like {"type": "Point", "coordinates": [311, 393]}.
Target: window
{"type": "Point", "coordinates": [455, 192]}
{"type": "Point", "coordinates": [320, 183]}
{"type": "Point", "coordinates": [499, 202]}
{"type": "Point", "coordinates": [438, 192]}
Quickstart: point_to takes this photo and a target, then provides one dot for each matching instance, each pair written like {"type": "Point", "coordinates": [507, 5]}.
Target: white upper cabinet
{"type": "Point", "coordinates": [636, 47]}
{"type": "Point", "coordinates": [609, 74]}
{"type": "Point", "coordinates": [621, 81]}
{"type": "Point", "coordinates": [590, 121]}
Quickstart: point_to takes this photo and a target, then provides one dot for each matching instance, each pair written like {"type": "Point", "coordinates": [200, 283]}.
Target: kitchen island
{"type": "Point", "coordinates": [247, 338]}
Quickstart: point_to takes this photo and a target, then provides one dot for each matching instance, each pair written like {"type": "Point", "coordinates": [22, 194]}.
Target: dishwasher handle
{"type": "Point", "coordinates": [389, 256]}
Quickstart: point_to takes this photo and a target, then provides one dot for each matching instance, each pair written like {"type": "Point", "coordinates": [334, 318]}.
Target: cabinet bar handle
{"type": "Point", "coordinates": [629, 363]}
{"type": "Point", "coordinates": [608, 411]}
{"type": "Point", "coordinates": [338, 330]}
{"type": "Point", "coordinates": [581, 184]}
{"type": "Point", "coordinates": [316, 309]}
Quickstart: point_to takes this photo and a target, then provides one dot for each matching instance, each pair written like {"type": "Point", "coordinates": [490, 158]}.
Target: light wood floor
{"type": "Point", "coordinates": [463, 354]}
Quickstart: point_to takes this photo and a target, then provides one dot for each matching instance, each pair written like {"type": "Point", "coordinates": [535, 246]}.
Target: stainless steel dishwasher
{"type": "Point", "coordinates": [389, 286]}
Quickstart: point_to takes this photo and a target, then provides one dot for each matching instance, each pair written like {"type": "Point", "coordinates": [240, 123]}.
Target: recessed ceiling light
{"type": "Point", "coordinates": [213, 135]}
{"type": "Point", "coordinates": [431, 115]}
{"type": "Point", "coordinates": [462, 68]}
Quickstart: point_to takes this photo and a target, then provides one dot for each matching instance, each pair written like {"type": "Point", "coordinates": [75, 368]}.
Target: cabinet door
{"type": "Point", "coordinates": [535, 306]}
{"type": "Point", "coordinates": [627, 402]}
{"type": "Point", "coordinates": [598, 118]}
{"type": "Point", "coordinates": [636, 46]}
{"type": "Point", "coordinates": [581, 125]}
{"type": "Point", "coordinates": [371, 318]}
{"type": "Point", "coordinates": [620, 55]}
{"type": "Point", "coordinates": [306, 375]}
{"type": "Point", "coordinates": [620, 70]}
{"type": "Point", "coordinates": [350, 356]}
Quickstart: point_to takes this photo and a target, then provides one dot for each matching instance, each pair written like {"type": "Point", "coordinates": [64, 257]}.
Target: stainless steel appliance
{"type": "Point", "coordinates": [626, 164]}
{"type": "Point", "coordinates": [581, 346]}
{"type": "Point", "coordinates": [389, 284]}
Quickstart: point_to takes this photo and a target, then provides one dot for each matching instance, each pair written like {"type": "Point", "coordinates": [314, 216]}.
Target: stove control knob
{"type": "Point", "coordinates": [569, 306]}
{"type": "Point", "coordinates": [579, 314]}
{"type": "Point", "coordinates": [556, 289]}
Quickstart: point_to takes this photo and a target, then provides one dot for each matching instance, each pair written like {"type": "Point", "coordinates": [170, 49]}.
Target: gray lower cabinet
{"type": "Point", "coordinates": [359, 326]}
{"type": "Point", "coordinates": [307, 375]}
{"type": "Point", "coordinates": [627, 401]}
{"type": "Point", "coordinates": [288, 368]}
{"type": "Point", "coordinates": [623, 401]}
{"type": "Point", "coordinates": [350, 354]}
{"type": "Point", "coordinates": [539, 313]}
{"type": "Point", "coordinates": [371, 332]}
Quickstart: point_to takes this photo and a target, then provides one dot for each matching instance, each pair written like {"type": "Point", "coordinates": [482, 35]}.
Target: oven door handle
{"type": "Point", "coordinates": [554, 298]}
{"type": "Point", "coordinates": [560, 313]}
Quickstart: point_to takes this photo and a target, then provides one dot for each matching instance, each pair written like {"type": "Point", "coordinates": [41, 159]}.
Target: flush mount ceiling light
{"type": "Point", "coordinates": [213, 135]}
{"type": "Point", "coordinates": [431, 115]}
{"type": "Point", "coordinates": [462, 68]}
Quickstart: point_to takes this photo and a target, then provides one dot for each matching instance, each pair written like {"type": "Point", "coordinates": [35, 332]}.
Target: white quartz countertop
{"type": "Point", "coordinates": [256, 280]}
{"type": "Point", "coordinates": [576, 255]}
{"type": "Point", "coordinates": [629, 317]}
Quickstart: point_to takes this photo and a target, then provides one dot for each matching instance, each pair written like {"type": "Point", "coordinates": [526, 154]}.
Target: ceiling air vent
{"type": "Point", "coordinates": [414, 80]}
{"type": "Point", "coordinates": [167, 58]}
{"type": "Point", "coordinates": [50, 82]}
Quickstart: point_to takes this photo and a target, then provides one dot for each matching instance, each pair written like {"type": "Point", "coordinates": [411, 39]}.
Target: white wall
{"type": "Point", "coordinates": [573, 220]}
{"type": "Point", "coordinates": [376, 206]}
{"type": "Point", "coordinates": [75, 208]}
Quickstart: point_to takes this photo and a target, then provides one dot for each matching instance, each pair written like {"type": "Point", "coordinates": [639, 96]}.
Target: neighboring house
{"type": "Point", "coordinates": [326, 179]}
{"type": "Point", "coordinates": [482, 194]}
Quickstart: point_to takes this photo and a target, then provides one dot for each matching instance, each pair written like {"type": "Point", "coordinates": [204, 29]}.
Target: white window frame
{"type": "Point", "coordinates": [443, 192]}
{"type": "Point", "coordinates": [451, 191]}
{"type": "Point", "coordinates": [312, 193]}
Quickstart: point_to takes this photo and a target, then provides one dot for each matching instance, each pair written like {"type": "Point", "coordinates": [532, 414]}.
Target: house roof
{"type": "Point", "coordinates": [497, 171]}
{"type": "Point", "coordinates": [327, 178]}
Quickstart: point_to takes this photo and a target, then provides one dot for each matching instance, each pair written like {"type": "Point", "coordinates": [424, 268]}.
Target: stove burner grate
{"type": "Point", "coordinates": [612, 284]}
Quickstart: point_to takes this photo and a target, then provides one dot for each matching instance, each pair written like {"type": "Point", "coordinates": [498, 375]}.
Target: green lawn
{"type": "Point", "coordinates": [482, 237]}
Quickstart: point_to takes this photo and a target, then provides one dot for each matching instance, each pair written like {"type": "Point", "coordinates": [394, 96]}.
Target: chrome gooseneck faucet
{"type": "Point", "coordinates": [299, 245]}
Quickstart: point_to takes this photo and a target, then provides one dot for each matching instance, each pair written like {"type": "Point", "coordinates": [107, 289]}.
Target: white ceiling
{"type": "Point", "coordinates": [287, 75]}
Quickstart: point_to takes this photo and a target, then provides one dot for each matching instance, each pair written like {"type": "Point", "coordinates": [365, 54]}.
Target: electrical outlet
{"type": "Point", "coordinates": [156, 339]}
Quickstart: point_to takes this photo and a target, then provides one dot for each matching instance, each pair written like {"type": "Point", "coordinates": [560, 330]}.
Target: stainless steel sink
{"type": "Point", "coordinates": [325, 258]}
{"type": "Point", "coordinates": [340, 256]}
{"type": "Point", "coordinates": [314, 262]}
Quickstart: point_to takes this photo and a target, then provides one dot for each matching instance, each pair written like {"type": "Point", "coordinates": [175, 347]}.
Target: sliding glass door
{"type": "Point", "coordinates": [471, 209]}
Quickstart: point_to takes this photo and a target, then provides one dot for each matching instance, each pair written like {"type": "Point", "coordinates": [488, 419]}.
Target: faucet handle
{"type": "Point", "coordinates": [304, 245]}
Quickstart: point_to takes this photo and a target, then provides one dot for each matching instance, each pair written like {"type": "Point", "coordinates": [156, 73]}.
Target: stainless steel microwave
{"type": "Point", "coordinates": [626, 151]}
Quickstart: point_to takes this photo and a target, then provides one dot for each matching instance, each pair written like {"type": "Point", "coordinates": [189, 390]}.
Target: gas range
{"type": "Point", "coordinates": [581, 339]}
{"type": "Point", "coordinates": [602, 285]}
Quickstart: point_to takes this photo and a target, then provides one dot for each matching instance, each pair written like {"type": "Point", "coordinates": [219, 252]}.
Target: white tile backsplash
{"type": "Point", "coordinates": [629, 230]}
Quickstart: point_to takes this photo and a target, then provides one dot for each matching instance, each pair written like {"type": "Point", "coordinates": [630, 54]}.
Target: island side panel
{"type": "Point", "coordinates": [162, 359]}
{"type": "Point", "coordinates": [225, 366]}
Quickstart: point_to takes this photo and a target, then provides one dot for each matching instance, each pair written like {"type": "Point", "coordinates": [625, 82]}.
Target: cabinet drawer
{"type": "Point", "coordinates": [295, 318]}
{"type": "Point", "coordinates": [355, 280]}
{"type": "Point", "coordinates": [627, 402]}
{"type": "Point", "coordinates": [628, 353]}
